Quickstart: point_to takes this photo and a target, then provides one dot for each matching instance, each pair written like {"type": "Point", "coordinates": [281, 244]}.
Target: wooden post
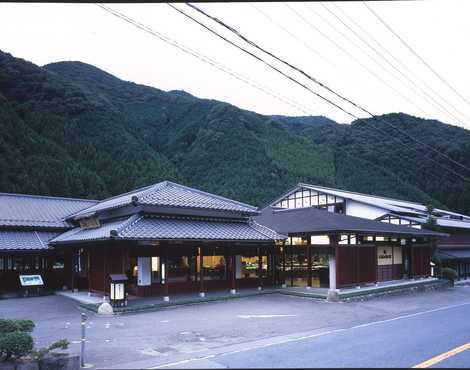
{"type": "Point", "coordinates": [284, 284]}
{"type": "Point", "coordinates": [291, 265]}
{"type": "Point", "coordinates": [260, 270]}
{"type": "Point", "coordinates": [233, 273]}
{"type": "Point", "coordinates": [201, 272]}
{"type": "Point", "coordinates": [166, 296]}
{"type": "Point", "coordinates": [309, 266]}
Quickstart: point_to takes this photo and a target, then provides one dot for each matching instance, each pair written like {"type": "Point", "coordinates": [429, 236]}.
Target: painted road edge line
{"type": "Point", "coordinates": [334, 331]}
{"type": "Point", "coordinates": [442, 357]}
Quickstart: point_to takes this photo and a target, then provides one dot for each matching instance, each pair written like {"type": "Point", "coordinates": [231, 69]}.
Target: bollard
{"type": "Point", "coordinates": [82, 343]}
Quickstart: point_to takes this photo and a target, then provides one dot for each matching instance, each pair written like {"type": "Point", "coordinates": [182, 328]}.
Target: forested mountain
{"type": "Point", "coordinates": [70, 129]}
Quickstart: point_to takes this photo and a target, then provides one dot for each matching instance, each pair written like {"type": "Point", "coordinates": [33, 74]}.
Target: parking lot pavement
{"type": "Point", "coordinates": [153, 338]}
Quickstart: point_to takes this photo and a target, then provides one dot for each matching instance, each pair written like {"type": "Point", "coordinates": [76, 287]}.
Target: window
{"type": "Point", "coordinates": [343, 239]}
{"type": "Point", "coordinates": [177, 269]}
{"type": "Point", "coordinates": [156, 269]}
{"type": "Point", "coordinates": [215, 267]}
{"type": "Point", "coordinates": [249, 267]}
{"type": "Point", "coordinates": [17, 263]}
{"type": "Point", "coordinates": [2, 263]}
{"type": "Point", "coordinates": [295, 240]}
{"type": "Point", "coordinates": [319, 239]}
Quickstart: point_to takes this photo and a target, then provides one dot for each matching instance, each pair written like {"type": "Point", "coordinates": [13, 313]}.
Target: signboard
{"type": "Point", "coordinates": [31, 280]}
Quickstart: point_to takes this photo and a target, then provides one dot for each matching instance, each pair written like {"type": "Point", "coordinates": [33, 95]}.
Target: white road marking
{"type": "Point", "coordinates": [410, 315]}
{"type": "Point", "coordinates": [165, 321]}
{"type": "Point", "coordinates": [262, 316]}
{"type": "Point", "coordinates": [309, 336]}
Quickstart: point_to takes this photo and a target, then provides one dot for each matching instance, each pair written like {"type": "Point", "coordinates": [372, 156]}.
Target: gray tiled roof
{"type": "Point", "coordinates": [316, 220]}
{"type": "Point", "coordinates": [38, 211]}
{"type": "Point", "coordinates": [163, 228]}
{"type": "Point", "coordinates": [25, 240]}
{"type": "Point", "coordinates": [171, 194]}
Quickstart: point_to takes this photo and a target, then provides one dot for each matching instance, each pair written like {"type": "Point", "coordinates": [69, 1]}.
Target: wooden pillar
{"type": "Point", "coordinates": [166, 296]}
{"type": "Point", "coordinates": [105, 259]}
{"type": "Point", "coordinates": [283, 278]}
{"type": "Point", "coordinates": [233, 273]}
{"type": "Point", "coordinates": [309, 266]}
{"type": "Point", "coordinates": [291, 247]}
{"type": "Point", "coordinates": [260, 269]}
{"type": "Point", "coordinates": [201, 272]}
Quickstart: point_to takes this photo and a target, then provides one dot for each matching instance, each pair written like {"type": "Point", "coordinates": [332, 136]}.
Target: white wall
{"type": "Point", "coordinates": [357, 209]}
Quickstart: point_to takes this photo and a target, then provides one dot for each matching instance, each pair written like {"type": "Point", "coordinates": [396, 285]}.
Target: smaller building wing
{"type": "Point", "coordinates": [19, 210]}
{"type": "Point", "coordinates": [25, 240]}
{"type": "Point", "coordinates": [314, 220]}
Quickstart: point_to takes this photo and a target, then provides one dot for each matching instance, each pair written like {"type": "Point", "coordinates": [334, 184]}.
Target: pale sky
{"type": "Point", "coordinates": [438, 30]}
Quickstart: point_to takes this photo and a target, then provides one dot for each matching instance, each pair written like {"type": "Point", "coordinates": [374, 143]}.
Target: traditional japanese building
{"type": "Point", "coordinates": [27, 224]}
{"type": "Point", "coordinates": [453, 250]}
{"type": "Point", "coordinates": [168, 239]}
{"type": "Point", "coordinates": [333, 250]}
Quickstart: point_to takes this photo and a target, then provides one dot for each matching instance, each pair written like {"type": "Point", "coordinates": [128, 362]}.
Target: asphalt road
{"type": "Point", "coordinates": [264, 331]}
{"type": "Point", "coordinates": [399, 342]}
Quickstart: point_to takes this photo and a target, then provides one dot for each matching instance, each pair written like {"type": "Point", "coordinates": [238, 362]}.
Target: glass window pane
{"type": "Point", "coordinates": [306, 192]}
{"type": "Point", "coordinates": [343, 239]}
{"type": "Point", "coordinates": [249, 267]}
{"type": "Point", "coordinates": [319, 239]}
{"type": "Point", "coordinates": [298, 203]}
{"type": "Point", "coordinates": [322, 199]}
{"type": "Point", "coordinates": [214, 267]}
{"type": "Point", "coordinates": [291, 203]}
{"type": "Point", "coordinates": [331, 199]}
{"type": "Point", "coordinates": [155, 269]}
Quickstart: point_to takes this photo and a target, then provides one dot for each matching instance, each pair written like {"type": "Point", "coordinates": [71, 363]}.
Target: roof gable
{"type": "Point", "coordinates": [171, 195]}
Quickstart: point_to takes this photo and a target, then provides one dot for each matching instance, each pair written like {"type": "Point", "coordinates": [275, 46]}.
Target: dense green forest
{"type": "Point", "coordinates": [70, 129]}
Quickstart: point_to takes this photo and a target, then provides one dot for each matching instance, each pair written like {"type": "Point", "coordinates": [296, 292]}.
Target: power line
{"type": "Point", "coordinates": [316, 81]}
{"type": "Point", "coordinates": [403, 65]}
{"type": "Point", "coordinates": [209, 61]}
{"type": "Point", "coordinates": [416, 54]}
{"type": "Point", "coordinates": [360, 128]}
{"type": "Point", "coordinates": [178, 45]}
{"type": "Point", "coordinates": [313, 26]}
{"type": "Point", "coordinates": [261, 60]}
{"type": "Point", "coordinates": [416, 86]}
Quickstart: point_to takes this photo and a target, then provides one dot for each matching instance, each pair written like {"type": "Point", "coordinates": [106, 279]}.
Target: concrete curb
{"type": "Point", "coordinates": [369, 293]}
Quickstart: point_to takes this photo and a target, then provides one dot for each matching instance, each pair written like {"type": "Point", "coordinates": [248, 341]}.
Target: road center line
{"type": "Point", "coordinates": [274, 342]}
{"type": "Point", "coordinates": [442, 357]}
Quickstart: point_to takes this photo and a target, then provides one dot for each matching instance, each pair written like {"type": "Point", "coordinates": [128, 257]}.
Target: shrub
{"type": "Point", "coordinates": [15, 344]}
{"type": "Point", "coordinates": [9, 326]}
{"type": "Point", "coordinates": [62, 344]}
{"type": "Point", "coordinates": [449, 273]}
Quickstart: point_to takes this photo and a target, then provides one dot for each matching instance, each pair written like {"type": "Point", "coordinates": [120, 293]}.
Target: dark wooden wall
{"type": "Point", "coordinates": [355, 265]}
{"type": "Point", "coordinates": [421, 261]}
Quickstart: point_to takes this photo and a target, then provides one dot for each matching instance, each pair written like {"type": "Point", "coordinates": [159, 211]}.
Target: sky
{"type": "Point", "coordinates": [307, 35]}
